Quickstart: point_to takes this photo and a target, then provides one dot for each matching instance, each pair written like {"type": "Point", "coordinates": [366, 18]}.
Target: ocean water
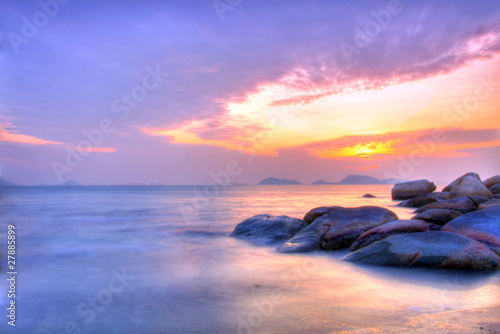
{"type": "Point", "coordinates": [159, 260]}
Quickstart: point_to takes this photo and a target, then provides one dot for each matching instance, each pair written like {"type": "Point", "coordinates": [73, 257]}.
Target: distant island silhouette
{"type": "Point", "coordinates": [348, 180]}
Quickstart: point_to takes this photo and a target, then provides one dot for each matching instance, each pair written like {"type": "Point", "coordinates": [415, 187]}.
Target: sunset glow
{"type": "Point", "coordinates": [281, 97]}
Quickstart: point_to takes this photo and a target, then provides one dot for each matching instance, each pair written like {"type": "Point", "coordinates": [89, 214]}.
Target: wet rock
{"type": "Point", "coordinates": [488, 183]}
{"type": "Point", "coordinates": [482, 225]}
{"type": "Point", "coordinates": [369, 196]}
{"type": "Point", "coordinates": [438, 216]}
{"type": "Point", "coordinates": [387, 229]}
{"type": "Point", "coordinates": [489, 204]}
{"type": "Point", "coordinates": [337, 229]}
{"type": "Point", "coordinates": [474, 175]}
{"type": "Point", "coordinates": [268, 229]}
{"type": "Point", "coordinates": [462, 204]}
{"type": "Point", "coordinates": [469, 186]}
{"type": "Point", "coordinates": [418, 202]}
{"type": "Point", "coordinates": [407, 190]}
{"type": "Point", "coordinates": [428, 249]}
{"type": "Point", "coordinates": [318, 212]}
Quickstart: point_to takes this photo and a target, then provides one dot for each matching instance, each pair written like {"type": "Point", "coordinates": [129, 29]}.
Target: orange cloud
{"type": "Point", "coordinates": [97, 149]}
{"type": "Point", "coordinates": [446, 143]}
{"type": "Point", "coordinates": [363, 168]}
{"type": "Point", "coordinates": [23, 139]}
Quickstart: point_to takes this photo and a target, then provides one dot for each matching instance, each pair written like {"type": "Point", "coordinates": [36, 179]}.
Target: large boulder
{"type": "Point", "coordinates": [482, 225]}
{"type": "Point", "coordinates": [268, 229]}
{"type": "Point", "coordinates": [462, 204]}
{"type": "Point", "coordinates": [317, 212]}
{"type": "Point", "coordinates": [387, 229]}
{"type": "Point", "coordinates": [451, 185]}
{"type": "Point", "coordinates": [488, 183]}
{"type": "Point", "coordinates": [438, 216]}
{"type": "Point", "coordinates": [428, 249]}
{"type": "Point", "coordinates": [337, 229]}
{"type": "Point", "coordinates": [407, 190]}
{"type": "Point", "coordinates": [489, 204]}
{"type": "Point", "coordinates": [418, 202]}
{"type": "Point", "coordinates": [469, 186]}
{"type": "Point", "coordinates": [495, 189]}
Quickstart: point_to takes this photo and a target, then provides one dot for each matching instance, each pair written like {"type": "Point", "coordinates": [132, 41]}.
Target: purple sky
{"type": "Point", "coordinates": [79, 67]}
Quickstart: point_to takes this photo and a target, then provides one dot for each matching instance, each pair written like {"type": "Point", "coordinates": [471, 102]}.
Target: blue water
{"type": "Point", "coordinates": [159, 260]}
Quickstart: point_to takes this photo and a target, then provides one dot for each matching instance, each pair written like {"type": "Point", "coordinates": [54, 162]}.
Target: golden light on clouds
{"type": "Point", "coordinates": [285, 114]}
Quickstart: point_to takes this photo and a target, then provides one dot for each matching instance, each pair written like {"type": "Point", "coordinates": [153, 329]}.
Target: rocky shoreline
{"type": "Point", "coordinates": [457, 228]}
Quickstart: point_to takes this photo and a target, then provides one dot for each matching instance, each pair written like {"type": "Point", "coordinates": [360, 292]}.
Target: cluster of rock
{"type": "Point", "coordinates": [457, 228]}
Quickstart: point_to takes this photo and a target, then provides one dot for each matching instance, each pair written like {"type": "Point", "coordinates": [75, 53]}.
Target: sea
{"type": "Point", "coordinates": [159, 259]}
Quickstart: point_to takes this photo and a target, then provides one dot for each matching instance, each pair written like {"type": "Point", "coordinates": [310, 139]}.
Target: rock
{"type": "Point", "coordinates": [318, 212]}
{"type": "Point", "coordinates": [495, 189]}
{"type": "Point", "coordinates": [478, 199]}
{"type": "Point", "coordinates": [418, 202]}
{"type": "Point", "coordinates": [428, 249]}
{"type": "Point", "coordinates": [337, 229]}
{"type": "Point", "coordinates": [387, 229]}
{"type": "Point", "coordinates": [439, 195]}
{"type": "Point", "coordinates": [489, 204]}
{"type": "Point", "coordinates": [462, 204]}
{"type": "Point", "coordinates": [448, 187]}
{"type": "Point", "coordinates": [469, 186]}
{"type": "Point", "coordinates": [369, 196]}
{"type": "Point", "coordinates": [482, 225]}
{"type": "Point", "coordinates": [268, 229]}
{"type": "Point", "coordinates": [407, 190]}
{"type": "Point", "coordinates": [438, 216]}
{"type": "Point", "coordinates": [488, 183]}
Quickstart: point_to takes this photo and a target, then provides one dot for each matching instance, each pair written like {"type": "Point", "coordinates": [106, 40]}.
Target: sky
{"type": "Point", "coordinates": [197, 92]}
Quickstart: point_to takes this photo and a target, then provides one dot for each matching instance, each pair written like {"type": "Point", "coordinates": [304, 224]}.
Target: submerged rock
{"type": "Point", "coordinates": [387, 229]}
{"type": "Point", "coordinates": [407, 190]}
{"type": "Point", "coordinates": [469, 186]}
{"type": "Point", "coordinates": [438, 216]}
{"type": "Point", "coordinates": [318, 212]}
{"type": "Point", "coordinates": [451, 185]}
{"type": "Point", "coordinates": [268, 229]}
{"type": "Point", "coordinates": [368, 196]}
{"type": "Point", "coordinates": [428, 249]}
{"type": "Point", "coordinates": [462, 204]}
{"type": "Point", "coordinates": [488, 183]}
{"type": "Point", "coordinates": [337, 229]}
{"type": "Point", "coordinates": [482, 225]}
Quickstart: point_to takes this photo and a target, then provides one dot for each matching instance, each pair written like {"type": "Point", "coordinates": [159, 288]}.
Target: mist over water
{"type": "Point", "coordinates": [125, 260]}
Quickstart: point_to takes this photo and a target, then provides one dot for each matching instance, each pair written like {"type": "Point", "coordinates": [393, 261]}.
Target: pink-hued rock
{"type": "Point", "coordinates": [387, 229]}
{"type": "Point", "coordinates": [482, 225]}
{"type": "Point", "coordinates": [469, 186]}
{"type": "Point", "coordinates": [428, 249]}
{"type": "Point", "coordinates": [337, 229]}
{"type": "Point", "coordinates": [407, 190]}
{"type": "Point", "coordinates": [438, 216]}
{"type": "Point", "coordinates": [448, 187]}
{"type": "Point", "coordinates": [488, 183]}
{"type": "Point", "coordinates": [317, 212]}
{"type": "Point", "coordinates": [489, 204]}
{"type": "Point", "coordinates": [462, 204]}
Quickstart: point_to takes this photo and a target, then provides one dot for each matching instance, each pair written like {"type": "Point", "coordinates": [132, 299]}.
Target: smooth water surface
{"type": "Point", "coordinates": [159, 260]}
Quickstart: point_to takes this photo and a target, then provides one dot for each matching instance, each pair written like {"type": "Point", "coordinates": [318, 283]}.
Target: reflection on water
{"type": "Point", "coordinates": [124, 260]}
